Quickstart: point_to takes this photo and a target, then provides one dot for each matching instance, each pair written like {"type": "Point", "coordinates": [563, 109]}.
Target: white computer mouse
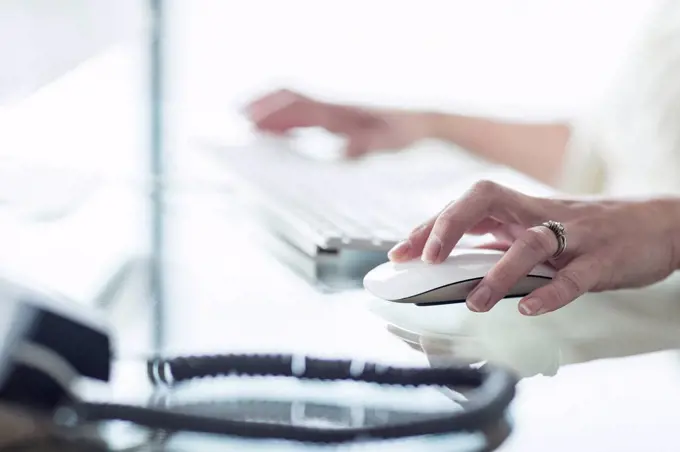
{"type": "Point", "coordinates": [451, 281]}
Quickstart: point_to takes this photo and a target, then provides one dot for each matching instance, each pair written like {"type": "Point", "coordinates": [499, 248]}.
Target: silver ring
{"type": "Point", "coordinates": [557, 228]}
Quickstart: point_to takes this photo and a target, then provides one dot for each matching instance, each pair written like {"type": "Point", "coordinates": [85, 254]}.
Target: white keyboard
{"type": "Point", "coordinates": [369, 204]}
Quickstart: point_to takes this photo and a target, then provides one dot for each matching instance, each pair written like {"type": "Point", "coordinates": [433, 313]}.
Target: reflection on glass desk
{"type": "Point", "coordinates": [228, 293]}
{"type": "Point", "coordinates": [321, 405]}
{"type": "Point", "coordinates": [339, 408]}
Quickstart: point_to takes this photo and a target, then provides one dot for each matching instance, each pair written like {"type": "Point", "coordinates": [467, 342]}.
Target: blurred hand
{"type": "Point", "coordinates": [610, 244]}
{"type": "Point", "coordinates": [366, 130]}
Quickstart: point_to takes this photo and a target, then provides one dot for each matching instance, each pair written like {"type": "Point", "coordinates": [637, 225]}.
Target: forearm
{"type": "Point", "coordinates": [535, 149]}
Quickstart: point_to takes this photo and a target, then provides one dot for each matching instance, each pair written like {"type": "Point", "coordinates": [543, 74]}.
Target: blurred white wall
{"type": "Point", "coordinates": [41, 40]}
{"type": "Point", "coordinates": [527, 57]}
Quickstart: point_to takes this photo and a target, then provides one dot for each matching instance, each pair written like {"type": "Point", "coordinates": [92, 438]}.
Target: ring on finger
{"type": "Point", "coordinates": [557, 228]}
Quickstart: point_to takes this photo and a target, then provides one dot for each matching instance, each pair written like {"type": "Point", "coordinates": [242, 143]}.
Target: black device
{"type": "Point", "coordinates": [49, 342]}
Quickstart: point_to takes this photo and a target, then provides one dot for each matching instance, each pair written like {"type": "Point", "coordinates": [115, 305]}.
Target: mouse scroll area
{"type": "Point", "coordinates": [458, 292]}
{"type": "Point", "coordinates": [449, 282]}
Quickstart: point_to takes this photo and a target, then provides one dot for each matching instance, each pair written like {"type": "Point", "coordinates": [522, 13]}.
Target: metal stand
{"type": "Point", "coordinates": [157, 168]}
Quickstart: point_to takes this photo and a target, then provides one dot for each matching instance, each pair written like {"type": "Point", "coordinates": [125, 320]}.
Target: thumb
{"type": "Point", "coordinates": [357, 145]}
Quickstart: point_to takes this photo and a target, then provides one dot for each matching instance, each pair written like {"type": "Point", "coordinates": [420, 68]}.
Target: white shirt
{"type": "Point", "coordinates": [630, 144]}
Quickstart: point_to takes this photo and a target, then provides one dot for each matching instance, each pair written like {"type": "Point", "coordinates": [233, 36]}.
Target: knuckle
{"type": "Point", "coordinates": [421, 227]}
{"type": "Point", "coordinates": [444, 222]}
{"type": "Point", "coordinates": [596, 266]}
{"type": "Point", "coordinates": [447, 216]}
{"type": "Point", "coordinates": [485, 187]}
{"type": "Point", "coordinates": [288, 98]}
{"type": "Point", "coordinates": [602, 273]}
{"type": "Point", "coordinates": [418, 231]}
{"type": "Point", "coordinates": [570, 285]}
{"type": "Point", "coordinates": [500, 279]}
{"type": "Point", "coordinates": [415, 231]}
{"type": "Point", "coordinates": [537, 241]}
{"type": "Point", "coordinates": [599, 272]}
{"type": "Point", "coordinates": [286, 93]}
{"type": "Point", "coordinates": [555, 294]}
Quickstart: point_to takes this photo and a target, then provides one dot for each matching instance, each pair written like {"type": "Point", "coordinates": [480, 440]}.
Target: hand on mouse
{"type": "Point", "coordinates": [366, 130]}
{"type": "Point", "coordinates": [611, 244]}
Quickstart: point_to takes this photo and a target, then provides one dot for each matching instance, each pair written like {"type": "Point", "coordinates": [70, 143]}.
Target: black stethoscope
{"type": "Point", "coordinates": [492, 390]}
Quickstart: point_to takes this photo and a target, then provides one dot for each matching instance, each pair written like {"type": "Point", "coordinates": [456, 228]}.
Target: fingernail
{"type": "Point", "coordinates": [531, 306]}
{"type": "Point", "coordinates": [399, 249]}
{"type": "Point", "coordinates": [479, 298]}
{"type": "Point", "coordinates": [432, 249]}
{"type": "Point", "coordinates": [471, 308]}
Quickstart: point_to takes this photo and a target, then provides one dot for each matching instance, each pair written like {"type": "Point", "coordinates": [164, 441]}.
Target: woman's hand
{"type": "Point", "coordinates": [366, 130]}
{"type": "Point", "coordinates": [610, 244]}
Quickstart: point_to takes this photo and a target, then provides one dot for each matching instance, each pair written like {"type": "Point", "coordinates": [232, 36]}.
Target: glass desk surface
{"type": "Point", "coordinates": [231, 294]}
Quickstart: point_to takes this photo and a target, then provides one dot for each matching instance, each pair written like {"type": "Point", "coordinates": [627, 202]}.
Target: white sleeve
{"type": "Point", "coordinates": [630, 144]}
{"type": "Point", "coordinates": [583, 167]}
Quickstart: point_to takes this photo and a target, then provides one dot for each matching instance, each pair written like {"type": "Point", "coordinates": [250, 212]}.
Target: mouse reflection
{"type": "Point", "coordinates": [536, 359]}
{"type": "Point", "coordinates": [597, 326]}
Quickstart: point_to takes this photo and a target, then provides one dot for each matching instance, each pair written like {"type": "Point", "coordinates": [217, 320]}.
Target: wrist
{"type": "Point", "coordinates": [675, 231]}
{"type": "Point", "coordinates": [434, 125]}
{"type": "Point", "coordinates": [669, 210]}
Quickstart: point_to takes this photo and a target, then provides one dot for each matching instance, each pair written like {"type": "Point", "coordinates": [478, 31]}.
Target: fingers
{"type": "Point", "coordinates": [495, 246]}
{"type": "Point", "coordinates": [532, 248]}
{"type": "Point", "coordinates": [260, 111]}
{"type": "Point", "coordinates": [473, 213]}
{"type": "Point", "coordinates": [571, 282]}
{"type": "Point", "coordinates": [488, 207]}
{"type": "Point", "coordinates": [412, 246]}
{"type": "Point", "coordinates": [485, 200]}
{"type": "Point", "coordinates": [357, 145]}
{"type": "Point", "coordinates": [283, 110]}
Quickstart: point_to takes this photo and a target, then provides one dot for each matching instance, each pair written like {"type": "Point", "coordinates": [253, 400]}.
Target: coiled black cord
{"type": "Point", "coordinates": [494, 389]}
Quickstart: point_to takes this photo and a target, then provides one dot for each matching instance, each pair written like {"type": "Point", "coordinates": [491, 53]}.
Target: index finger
{"type": "Point", "coordinates": [485, 200]}
{"type": "Point", "coordinates": [285, 110]}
